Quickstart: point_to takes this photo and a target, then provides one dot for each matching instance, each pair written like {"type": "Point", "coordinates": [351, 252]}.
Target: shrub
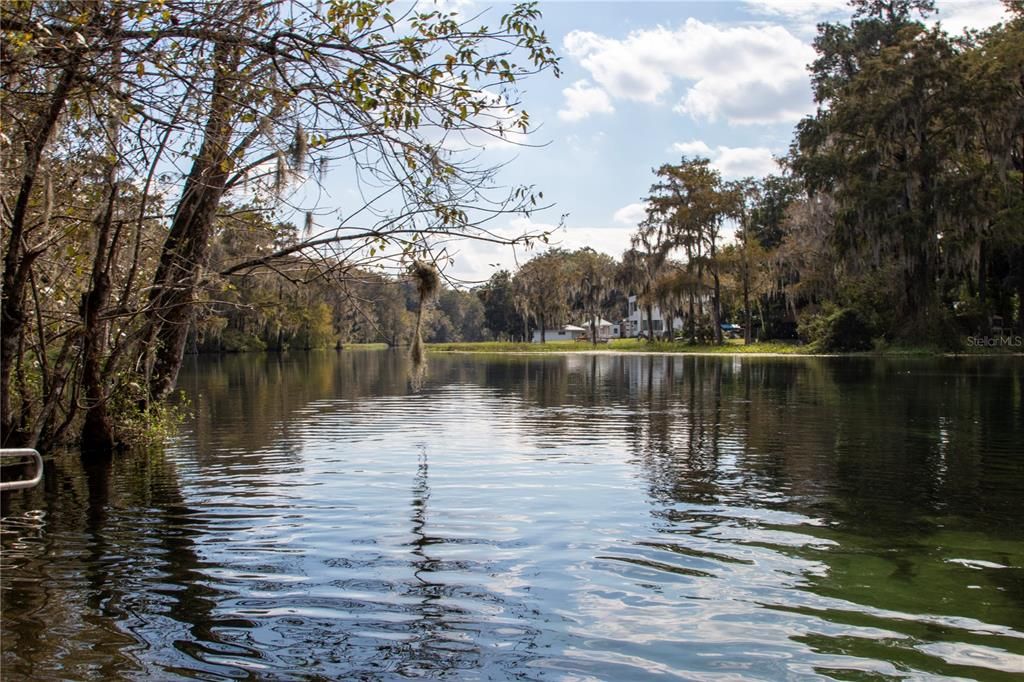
{"type": "Point", "coordinates": [811, 326]}
{"type": "Point", "coordinates": [846, 331]}
{"type": "Point", "coordinates": [136, 427]}
{"type": "Point", "coordinates": [843, 330]}
{"type": "Point", "coordinates": [234, 341]}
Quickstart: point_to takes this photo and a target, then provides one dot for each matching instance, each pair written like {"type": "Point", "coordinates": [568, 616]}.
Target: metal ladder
{"type": "Point", "coordinates": [25, 482]}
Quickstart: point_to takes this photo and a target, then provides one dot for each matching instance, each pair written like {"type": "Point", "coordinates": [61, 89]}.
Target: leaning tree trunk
{"type": "Point", "coordinates": [186, 250]}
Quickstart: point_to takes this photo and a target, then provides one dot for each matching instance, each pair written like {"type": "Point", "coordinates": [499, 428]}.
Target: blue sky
{"type": "Point", "coordinates": [644, 83]}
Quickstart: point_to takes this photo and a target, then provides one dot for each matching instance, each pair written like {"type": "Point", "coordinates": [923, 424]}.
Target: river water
{"type": "Point", "coordinates": [324, 516]}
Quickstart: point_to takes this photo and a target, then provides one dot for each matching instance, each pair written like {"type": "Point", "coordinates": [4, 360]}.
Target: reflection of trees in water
{"type": "Point", "coordinates": [865, 440]}
{"type": "Point", "coordinates": [913, 463]}
{"type": "Point", "coordinates": [884, 449]}
{"type": "Point", "coordinates": [858, 438]}
{"type": "Point", "coordinates": [450, 639]}
{"type": "Point", "coordinates": [252, 409]}
{"type": "Point", "coordinates": [434, 616]}
{"type": "Point", "coordinates": [115, 570]}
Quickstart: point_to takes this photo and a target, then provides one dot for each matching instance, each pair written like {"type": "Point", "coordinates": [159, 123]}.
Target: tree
{"type": "Point", "coordinates": [637, 272]}
{"type": "Point", "coordinates": [687, 209]}
{"type": "Point", "coordinates": [102, 102]}
{"type": "Point", "coordinates": [500, 314]}
{"type": "Point", "coordinates": [461, 317]}
{"type": "Point", "coordinates": [541, 290]}
{"type": "Point", "coordinates": [748, 260]}
{"type": "Point", "coordinates": [902, 142]}
{"type": "Point", "coordinates": [674, 284]}
{"type": "Point", "coordinates": [591, 278]}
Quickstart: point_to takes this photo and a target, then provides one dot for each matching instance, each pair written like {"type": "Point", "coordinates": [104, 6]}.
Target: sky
{"type": "Point", "coordinates": [644, 83]}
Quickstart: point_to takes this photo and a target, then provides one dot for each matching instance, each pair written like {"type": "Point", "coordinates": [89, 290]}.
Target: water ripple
{"type": "Point", "coordinates": [550, 519]}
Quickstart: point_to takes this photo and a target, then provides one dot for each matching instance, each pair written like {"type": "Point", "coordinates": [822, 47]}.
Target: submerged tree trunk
{"type": "Point", "coordinates": [98, 430]}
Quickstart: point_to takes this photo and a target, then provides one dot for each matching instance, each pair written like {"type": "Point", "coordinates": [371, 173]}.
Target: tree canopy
{"type": "Point", "coordinates": [129, 124]}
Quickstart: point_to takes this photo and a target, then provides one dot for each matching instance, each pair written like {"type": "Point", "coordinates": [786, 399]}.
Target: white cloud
{"type": "Point", "coordinates": [631, 215]}
{"type": "Point", "coordinates": [732, 162]}
{"type": "Point", "coordinates": [955, 15]}
{"type": "Point", "coordinates": [610, 240]}
{"type": "Point", "coordinates": [963, 14]}
{"type": "Point", "coordinates": [460, 7]}
{"type": "Point", "coordinates": [800, 10]}
{"type": "Point", "coordinates": [694, 148]}
{"type": "Point", "coordinates": [748, 103]}
{"type": "Point", "coordinates": [718, 64]}
{"type": "Point", "coordinates": [582, 100]}
{"type": "Point", "coordinates": [739, 162]}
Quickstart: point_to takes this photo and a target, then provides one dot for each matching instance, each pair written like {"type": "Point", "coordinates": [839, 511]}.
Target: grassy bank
{"type": "Point", "coordinates": [730, 347]}
{"type": "Point", "coordinates": [616, 345]}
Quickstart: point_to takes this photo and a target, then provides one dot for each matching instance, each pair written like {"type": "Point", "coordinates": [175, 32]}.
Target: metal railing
{"type": "Point", "coordinates": [24, 482]}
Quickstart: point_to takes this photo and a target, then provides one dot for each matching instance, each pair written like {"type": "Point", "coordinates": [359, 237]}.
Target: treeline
{"type": "Point", "coordinates": [907, 222]}
{"type": "Point", "coordinates": [148, 144]}
{"type": "Point", "coordinates": [898, 214]}
{"type": "Point", "coordinates": [291, 307]}
{"type": "Point", "coordinates": [897, 217]}
{"type": "Point", "coordinates": [298, 306]}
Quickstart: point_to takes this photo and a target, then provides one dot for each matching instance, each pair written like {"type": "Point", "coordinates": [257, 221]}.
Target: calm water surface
{"type": "Point", "coordinates": [553, 518]}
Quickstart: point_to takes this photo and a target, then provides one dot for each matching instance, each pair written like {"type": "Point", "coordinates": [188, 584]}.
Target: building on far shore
{"type": "Point", "coordinates": [569, 332]}
{"type": "Point", "coordinates": [637, 314]}
{"type": "Point", "coordinates": [605, 330]}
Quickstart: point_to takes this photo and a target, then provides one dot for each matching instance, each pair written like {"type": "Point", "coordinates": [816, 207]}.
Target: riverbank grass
{"type": "Point", "coordinates": [731, 346]}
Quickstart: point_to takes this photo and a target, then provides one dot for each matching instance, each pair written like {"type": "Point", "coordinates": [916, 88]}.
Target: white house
{"type": "Point", "coordinates": [569, 332]}
{"type": "Point", "coordinates": [605, 330]}
{"type": "Point", "coordinates": [636, 314]}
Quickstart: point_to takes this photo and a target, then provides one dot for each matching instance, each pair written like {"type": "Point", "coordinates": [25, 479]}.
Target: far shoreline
{"type": "Point", "coordinates": [756, 350]}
